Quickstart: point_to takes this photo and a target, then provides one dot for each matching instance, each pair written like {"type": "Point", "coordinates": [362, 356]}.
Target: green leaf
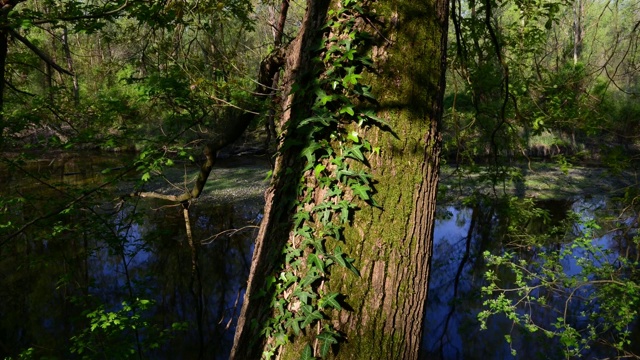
{"type": "Point", "coordinates": [365, 91]}
{"type": "Point", "coordinates": [353, 136]}
{"type": "Point", "coordinates": [315, 315]}
{"type": "Point", "coordinates": [309, 152]}
{"type": "Point", "coordinates": [327, 338]}
{"type": "Point", "coordinates": [339, 257]}
{"type": "Point", "coordinates": [372, 116]}
{"type": "Point", "coordinates": [351, 78]}
{"type": "Point", "coordinates": [356, 153]}
{"type": "Point", "coordinates": [361, 191]}
{"type": "Point", "coordinates": [330, 300]}
{"type": "Point", "coordinates": [304, 296]}
{"type": "Point", "coordinates": [309, 279]}
{"type": "Point", "coordinates": [293, 325]}
{"type": "Point", "coordinates": [146, 176]}
{"type": "Point", "coordinates": [314, 260]}
{"type": "Point", "coordinates": [325, 348]}
{"type": "Point", "coordinates": [319, 169]}
{"type": "Point", "coordinates": [270, 281]}
{"type": "Point", "coordinates": [347, 109]}
{"type": "Point", "coordinates": [26, 23]}
{"type": "Point", "coordinates": [307, 353]}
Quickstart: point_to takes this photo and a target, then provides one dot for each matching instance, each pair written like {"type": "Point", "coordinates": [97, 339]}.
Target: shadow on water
{"type": "Point", "coordinates": [462, 235]}
{"type": "Point", "coordinates": [99, 255]}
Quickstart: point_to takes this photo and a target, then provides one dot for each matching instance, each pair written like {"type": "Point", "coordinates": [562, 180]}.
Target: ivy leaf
{"type": "Point", "coordinates": [365, 91]}
{"type": "Point", "coordinates": [309, 152]}
{"type": "Point", "coordinates": [330, 300]}
{"type": "Point", "coordinates": [361, 191]}
{"type": "Point", "coordinates": [353, 136]}
{"type": "Point", "coordinates": [339, 257]}
{"type": "Point", "coordinates": [344, 211]}
{"type": "Point", "coordinates": [299, 217]}
{"type": "Point", "coordinates": [307, 353]}
{"type": "Point", "coordinates": [355, 153]}
{"type": "Point", "coordinates": [347, 109]}
{"type": "Point", "coordinates": [319, 169]}
{"type": "Point", "coordinates": [325, 347]}
{"type": "Point", "coordinates": [323, 98]}
{"type": "Point", "coordinates": [322, 120]}
{"type": "Point", "coordinates": [327, 338]}
{"type": "Point", "coordinates": [309, 279]}
{"type": "Point", "coordinates": [292, 254]}
{"type": "Point", "coordinates": [351, 78]}
{"type": "Point", "coordinates": [303, 296]}
{"type": "Point", "coordinates": [314, 260]}
{"type": "Point", "coordinates": [305, 232]}
{"type": "Point", "coordinates": [372, 116]}
{"type": "Point", "coordinates": [270, 281]}
{"type": "Point", "coordinates": [311, 317]}
{"type": "Point", "coordinates": [146, 176]}
{"type": "Point", "coordinates": [349, 54]}
{"type": "Point", "coordinates": [293, 324]}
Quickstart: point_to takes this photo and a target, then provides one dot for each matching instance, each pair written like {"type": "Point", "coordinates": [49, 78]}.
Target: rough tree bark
{"type": "Point", "coordinates": [392, 244]}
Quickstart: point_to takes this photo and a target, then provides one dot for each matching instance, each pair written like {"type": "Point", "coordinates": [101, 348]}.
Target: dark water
{"type": "Point", "coordinates": [105, 252]}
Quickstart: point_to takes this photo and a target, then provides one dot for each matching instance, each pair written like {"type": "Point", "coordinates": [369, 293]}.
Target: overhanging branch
{"type": "Point", "coordinates": [230, 133]}
{"type": "Point", "coordinates": [38, 52]}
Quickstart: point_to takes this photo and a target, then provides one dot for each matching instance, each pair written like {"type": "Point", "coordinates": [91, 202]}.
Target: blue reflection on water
{"type": "Point", "coordinates": [451, 328]}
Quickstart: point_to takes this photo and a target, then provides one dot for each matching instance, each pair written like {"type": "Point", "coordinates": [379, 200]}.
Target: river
{"type": "Point", "coordinates": [61, 275]}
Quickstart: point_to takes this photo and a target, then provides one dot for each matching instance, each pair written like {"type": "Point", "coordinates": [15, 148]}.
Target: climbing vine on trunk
{"type": "Point", "coordinates": [335, 186]}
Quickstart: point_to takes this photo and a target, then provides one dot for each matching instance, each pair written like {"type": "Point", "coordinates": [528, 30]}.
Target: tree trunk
{"type": "Point", "coordinates": [384, 308]}
{"type": "Point", "coordinates": [578, 12]}
{"type": "Point", "coordinates": [4, 45]}
{"type": "Point", "coordinates": [67, 54]}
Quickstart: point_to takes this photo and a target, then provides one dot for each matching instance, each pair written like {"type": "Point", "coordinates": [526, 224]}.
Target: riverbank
{"type": "Point", "coordinates": [538, 180]}
{"type": "Point", "coordinates": [243, 177]}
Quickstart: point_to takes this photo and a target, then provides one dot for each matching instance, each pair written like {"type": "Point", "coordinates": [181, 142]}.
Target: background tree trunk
{"type": "Point", "coordinates": [392, 244]}
{"type": "Point", "coordinates": [4, 45]}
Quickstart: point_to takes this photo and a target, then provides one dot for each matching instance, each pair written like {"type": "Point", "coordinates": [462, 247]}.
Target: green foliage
{"type": "Point", "coordinates": [121, 334]}
{"type": "Point", "coordinates": [520, 84]}
{"type": "Point", "coordinates": [593, 291]}
{"type": "Point", "coordinates": [335, 155]}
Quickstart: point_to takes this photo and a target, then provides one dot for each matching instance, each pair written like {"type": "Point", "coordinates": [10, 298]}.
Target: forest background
{"type": "Point", "coordinates": [175, 83]}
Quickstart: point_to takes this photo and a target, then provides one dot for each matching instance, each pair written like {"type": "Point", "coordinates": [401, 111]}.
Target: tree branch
{"type": "Point", "coordinates": [231, 131]}
{"type": "Point", "coordinates": [101, 15]}
{"type": "Point", "coordinates": [38, 52]}
{"type": "Point", "coordinates": [12, 87]}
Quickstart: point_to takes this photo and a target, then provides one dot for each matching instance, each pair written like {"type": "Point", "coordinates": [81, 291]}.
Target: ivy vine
{"type": "Point", "coordinates": [335, 185]}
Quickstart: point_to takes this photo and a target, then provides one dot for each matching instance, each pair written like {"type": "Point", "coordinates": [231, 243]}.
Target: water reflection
{"type": "Point", "coordinates": [98, 255]}
{"type": "Point", "coordinates": [462, 234]}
